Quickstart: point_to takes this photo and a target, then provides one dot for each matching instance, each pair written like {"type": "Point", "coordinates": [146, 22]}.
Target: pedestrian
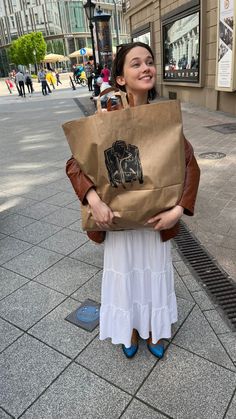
{"type": "Point", "coordinates": [89, 75]}
{"type": "Point", "coordinates": [105, 73]}
{"type": "Point", "coordinates": [9, 84]}
{"type": "Point", "coordinates": [58, 77]}
{"type": "Point", "coordinates": [28, 82]}
{"type": "Point", "coordinates": [50, 80]}
{"type": "Point", "coordinates": [20, 81]}
{"type": "Point", "coordinates": [96, 74]}
{"type": "Point", "coordinates": [43, 81]}
{"type": "Point", "coordinates": [138, 298]}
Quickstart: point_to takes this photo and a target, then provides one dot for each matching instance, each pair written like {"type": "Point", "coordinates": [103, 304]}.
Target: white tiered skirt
{"type": "Point", "coordinates": [137, 287]}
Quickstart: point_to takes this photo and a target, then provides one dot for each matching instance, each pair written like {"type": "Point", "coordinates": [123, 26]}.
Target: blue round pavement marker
{"type": "Point", "coordinates": [82, 51]}
{"type": "Point", "coordinates": [87, 314]}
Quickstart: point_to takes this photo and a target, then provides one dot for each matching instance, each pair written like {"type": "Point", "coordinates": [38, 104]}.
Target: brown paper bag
{"type": "Point", "coordinates": [135, 158]}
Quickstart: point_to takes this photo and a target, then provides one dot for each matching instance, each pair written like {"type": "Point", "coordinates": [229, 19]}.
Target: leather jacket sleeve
{"type": "Point", "coordinates": [192, 177]}
{"type": "Point", "coordinates": [80, 182]}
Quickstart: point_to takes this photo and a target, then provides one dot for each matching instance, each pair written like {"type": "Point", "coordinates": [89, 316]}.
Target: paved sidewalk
{"type": "Point", "coordinates": [50, 368]}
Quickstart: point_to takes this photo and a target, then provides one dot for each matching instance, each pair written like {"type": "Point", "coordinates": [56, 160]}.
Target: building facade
{"type": "Point", "coordinates": [194, 45]}
{"type": "Point", "coordinates": [63, 23]}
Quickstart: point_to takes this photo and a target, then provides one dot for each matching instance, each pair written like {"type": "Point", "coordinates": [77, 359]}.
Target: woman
{"type": "Point", "coordinates": [28, 82]}
{"type": "Point", "coordinates": [138, 297]}
{"type": "Point", "coordinates": [105, 73]}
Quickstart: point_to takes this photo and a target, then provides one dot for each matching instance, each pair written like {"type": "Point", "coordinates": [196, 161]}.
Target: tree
{"type": "Point", "coordinates": [22, 50]}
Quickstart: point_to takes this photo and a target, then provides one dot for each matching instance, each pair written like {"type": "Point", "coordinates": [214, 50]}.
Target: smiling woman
{"type": "Point", "coordinates": [138, 296]}
{"type": "Point", "coordinates": [134, 70]}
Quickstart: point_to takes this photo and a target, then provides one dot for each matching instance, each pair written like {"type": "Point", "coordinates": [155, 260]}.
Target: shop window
{"type": "Point", "coordinates": [143, 34]}
{"type": "Point", "coordinates": [181, 45]}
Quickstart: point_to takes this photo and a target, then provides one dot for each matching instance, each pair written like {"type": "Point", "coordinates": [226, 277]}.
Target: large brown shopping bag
{"type": "Point", "coordinates": [135, 158]}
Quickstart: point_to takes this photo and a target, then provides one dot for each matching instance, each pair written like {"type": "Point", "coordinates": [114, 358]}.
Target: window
{"type": "Point", "coordinates": [181, 47]}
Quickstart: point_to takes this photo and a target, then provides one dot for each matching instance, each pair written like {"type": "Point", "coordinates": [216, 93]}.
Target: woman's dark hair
{"type": "Point", "coordinates": [118, 64]}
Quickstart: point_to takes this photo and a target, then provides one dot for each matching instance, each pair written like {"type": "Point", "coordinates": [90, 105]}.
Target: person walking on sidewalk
{"type": "Point", "coordinates": [89, 75]}
{"type": "Point", "coordinates": [43, 81]}
{"type": "Point", "coordinates": [138, 297]}
{"type": "Point", "coordinates": [50, 79]}
{"type": "Point", "coordinates": [105, 73]}
{"type": "Point", "coordinates": [28, 82]}
{"type": "Point", "coordinates": [58, 77]}
{"type": "Point", "coordinates": [20, 81]}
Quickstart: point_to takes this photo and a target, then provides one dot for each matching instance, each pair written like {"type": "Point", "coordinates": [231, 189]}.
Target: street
{"type": "Point", "coordinates": [52, 369]}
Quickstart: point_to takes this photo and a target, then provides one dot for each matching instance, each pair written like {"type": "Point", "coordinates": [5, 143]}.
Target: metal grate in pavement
{"type": "Point", "coordinates": [212, 155]}
{"type": "Point", "coordinates": [217, 283]}
{"type": "Point", "coordinates": [224, 128]}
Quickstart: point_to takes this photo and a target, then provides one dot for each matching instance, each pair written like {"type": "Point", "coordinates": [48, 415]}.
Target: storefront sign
{"type": "Point", "coordinates": [104, 40]}
{"type": "Point", "coordinates": [181, 49]}
{"type": "Point", "coordinates": [226, 40]}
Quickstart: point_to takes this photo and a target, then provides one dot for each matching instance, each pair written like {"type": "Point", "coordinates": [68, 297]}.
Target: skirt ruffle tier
{"type": "Point", "coordinates": [137, 287]}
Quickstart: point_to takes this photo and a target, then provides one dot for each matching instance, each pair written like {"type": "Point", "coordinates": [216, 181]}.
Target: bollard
{"type": "Point", "coordinates": [72, 83]}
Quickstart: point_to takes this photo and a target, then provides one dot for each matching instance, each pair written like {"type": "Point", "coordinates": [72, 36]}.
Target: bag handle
{"type": "Point", "coordinates": [117, 92]}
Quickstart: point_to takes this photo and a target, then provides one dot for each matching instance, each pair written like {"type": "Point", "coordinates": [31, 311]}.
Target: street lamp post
{"type": "Point", "coordinates": [116, 23]}
{"type": "Point", "coordinates": [89, 8]}
{"type": "Point", "coordinates": [35, 61]}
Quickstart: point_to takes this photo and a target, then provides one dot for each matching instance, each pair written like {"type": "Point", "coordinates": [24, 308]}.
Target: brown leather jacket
{"type": "Point", "coordinates": [81, 184]}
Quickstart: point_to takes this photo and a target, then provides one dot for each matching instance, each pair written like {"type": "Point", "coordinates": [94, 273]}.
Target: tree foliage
{"type": "Point", "coordinates": [22, 49]}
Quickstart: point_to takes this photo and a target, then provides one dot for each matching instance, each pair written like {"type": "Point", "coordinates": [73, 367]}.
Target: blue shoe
{"type": "Point", "coordinates": [131, 351]}
{"type": "Point", "coordinates": [157, 350]}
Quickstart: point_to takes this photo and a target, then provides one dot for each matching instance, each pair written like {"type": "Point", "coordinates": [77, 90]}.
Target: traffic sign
{"type": "Point", "coordinates": [82, 51]}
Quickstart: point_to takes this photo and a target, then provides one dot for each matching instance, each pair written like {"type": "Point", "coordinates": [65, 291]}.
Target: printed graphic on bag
{"type": "Point", "coordinates": [123, 163]}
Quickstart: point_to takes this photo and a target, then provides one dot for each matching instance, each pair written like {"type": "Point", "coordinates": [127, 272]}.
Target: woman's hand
{"type": "Point", "coordinates": [166, 219]}
{"type": "Point", "coordinates": [102, 214]}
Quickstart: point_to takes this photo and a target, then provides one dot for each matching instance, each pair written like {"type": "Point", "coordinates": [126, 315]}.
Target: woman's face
{"type": "Point", "coordinates": [139, 72]}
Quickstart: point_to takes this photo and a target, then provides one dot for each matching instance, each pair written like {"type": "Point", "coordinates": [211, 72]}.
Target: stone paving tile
{"type": "Point", "coordinates": [91, 253]}
{"type": "Point", "coordinates": [65, 241]}
{"type": "Point", "coordinates": [36, 232]}
{"type": "Point", "coordinates": [42, 192]}
{"type": "Point", "coordinates": [29, 304]}
{"type": "Point", "coordinates": [11, 247]}
{"type": "Point", "coordinates": [191, 283]}
{"type": "Point", "coordinates": [140, 410]}
{"type": "Point", "coordinates": [32, 262]}
{"type": "Point", "coordinates": [63, 217]}
{"type": "Point", "coordinates": [216, 322]}
{"type": "Point", "coordinates": [38, 210]}
{"type": "Point", "coordinates": [9, 282]}
{"type": "Point", "coordinates": [78, 393]}
{"type": "Point", "coordinates": [181, 268]}
{"type": "Point", "coordinates": [62, 199]}
{"type": "Point", "coordinates": [67, 275]}
{"type": "Point", "coordinates": [175, 255]}
{"type": "Point", "coordinates": [180, 289]}
{"type": "Point", "coordinates": [61, 334]}
{"type": "Point", "coordinates": [203, 300]}
{"type": "Point", "coordinates": [62, 184]}
{"type": "Point", "coordinates": [14, 222]}
{"type": "Point", "coordinates": [75, 205]}
{"type": "Point", "coordinates": [197, 336]}
{"type": "Point", "coordinates": [229, 342]}
{"type": "Point", "coordinates": [3, 415]}
{"type": "Point", "coordinates": [232, 409]}
{"type": "Point", "coordinates": [8, 334]}
{"type": "Point", "coordinates": [2, 236]}
{"type": "Point", "coordinates": [184, 308]}
{"type": "Point", "coordinates": [28, 367]}
{"type": "Point", "coordinates": [191, 387]}
{"type": "Point", "coordinates": [20, 202]}
{"type": "Point", "coordinates": [110, 358]}
{"type": "Point", "coordinates": [92, 289]}
{"type": "Point", "coordinates": [77, 226]}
